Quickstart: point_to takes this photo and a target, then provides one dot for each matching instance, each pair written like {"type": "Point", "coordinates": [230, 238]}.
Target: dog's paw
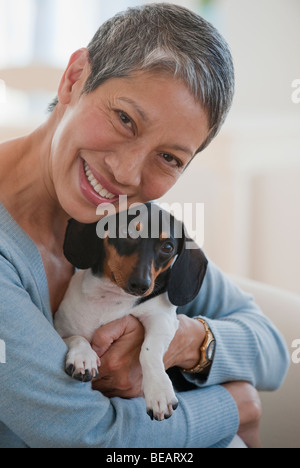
{"type": "Point", "coordinates": [82, 365]}
{"type": "Point", "coordinates": [160, 398]}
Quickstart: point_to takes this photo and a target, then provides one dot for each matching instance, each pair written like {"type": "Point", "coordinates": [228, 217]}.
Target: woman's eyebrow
{"type": "Point", "coordinates": [136, 106]}
{"type": "Point", "coordinates": [183, 149]}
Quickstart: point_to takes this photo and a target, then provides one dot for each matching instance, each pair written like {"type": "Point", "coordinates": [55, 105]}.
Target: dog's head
{"type": "Point", "coordinates": [142, 254]}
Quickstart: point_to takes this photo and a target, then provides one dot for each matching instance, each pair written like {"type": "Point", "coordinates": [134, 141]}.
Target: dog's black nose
{"type": "Point", "coordinates": [139, 286]}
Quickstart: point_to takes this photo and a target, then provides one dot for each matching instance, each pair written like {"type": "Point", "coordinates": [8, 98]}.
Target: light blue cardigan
{"type": "Point", "coordinates": [40, 406]}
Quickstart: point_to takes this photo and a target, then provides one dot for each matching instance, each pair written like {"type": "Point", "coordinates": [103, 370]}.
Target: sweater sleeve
{"type": "Point", "coordinates": [40, 406]}
{"type": "Point", "coordinates": [248, 345]}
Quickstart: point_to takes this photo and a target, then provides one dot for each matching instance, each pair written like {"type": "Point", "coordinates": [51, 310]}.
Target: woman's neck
{"type": "Point", "coordinates": [26, 188]}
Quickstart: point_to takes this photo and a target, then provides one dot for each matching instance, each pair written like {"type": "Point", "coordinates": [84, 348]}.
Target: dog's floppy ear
{"type": "Point", "coordinates": [82, 246]}
{"type": "Point", "coordinates": [187, 273]}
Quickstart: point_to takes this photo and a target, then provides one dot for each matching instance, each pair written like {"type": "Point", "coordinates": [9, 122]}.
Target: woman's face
{"type": "Point", "coordinates": [131, 136]}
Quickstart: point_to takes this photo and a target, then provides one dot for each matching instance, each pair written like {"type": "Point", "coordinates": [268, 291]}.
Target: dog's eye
{"type": "Point", "coordinates": [167, 248]}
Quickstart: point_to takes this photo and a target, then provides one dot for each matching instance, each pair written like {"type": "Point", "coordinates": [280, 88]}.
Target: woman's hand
{"type": "Point", "coordinates": [118, 344]}
{"type": "Point", "coordinates": [184, 350]}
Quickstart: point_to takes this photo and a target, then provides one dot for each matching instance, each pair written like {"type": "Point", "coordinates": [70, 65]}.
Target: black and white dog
{"type": "Point", "coordinates": [145, 276]}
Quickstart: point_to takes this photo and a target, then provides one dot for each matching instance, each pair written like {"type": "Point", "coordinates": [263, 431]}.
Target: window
{"type": "Point", "coordinates": [48, 31]}
{"type": "Point", "coordinates": [37, 37]}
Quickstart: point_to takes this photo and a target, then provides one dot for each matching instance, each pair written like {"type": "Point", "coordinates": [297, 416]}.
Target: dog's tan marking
{"type": "Point", "coordinates": [139, 227]}
{"type": "Point", "coordinates": [161, 270]}
{"type": "Point", "coordinates": [155, 273]}
{"type": "Point", "coordinates": [116, 267]}
{"type": "Point", "coordinates": [164, 235]}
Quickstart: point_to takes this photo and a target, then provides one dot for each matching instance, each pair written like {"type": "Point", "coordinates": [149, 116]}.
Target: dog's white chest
{"type": "Point", "coordinates": [91, 302]}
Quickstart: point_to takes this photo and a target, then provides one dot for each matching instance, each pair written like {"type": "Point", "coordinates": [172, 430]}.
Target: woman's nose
{"type": "Point", "coordinates": [126, 168]}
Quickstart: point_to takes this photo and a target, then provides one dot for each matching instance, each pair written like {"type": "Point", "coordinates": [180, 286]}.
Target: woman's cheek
{"type": "Point", "coordinates": [156, 187]}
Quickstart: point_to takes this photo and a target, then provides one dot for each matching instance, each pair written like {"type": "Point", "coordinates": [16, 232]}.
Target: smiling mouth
{"type": "Point", "coordinates": [95, 184]}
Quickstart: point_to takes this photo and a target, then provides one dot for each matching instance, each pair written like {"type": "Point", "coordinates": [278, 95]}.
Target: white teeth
{"type": "Point", "coordinates": [98, 188]}
{"type": "Point", "coordinates": [96, 185]}
{"type": "Point", "coordinates": [104, 193]}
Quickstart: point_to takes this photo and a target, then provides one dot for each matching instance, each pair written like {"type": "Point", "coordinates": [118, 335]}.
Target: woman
{"type": "Point", "coordinates": [151, 90]}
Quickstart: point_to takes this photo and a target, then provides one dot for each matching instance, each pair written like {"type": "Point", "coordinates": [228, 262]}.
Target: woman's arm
{"type": "Point", "coordinates": [44, 407]}
{"type": "Point", "coordinates": [248, 345]}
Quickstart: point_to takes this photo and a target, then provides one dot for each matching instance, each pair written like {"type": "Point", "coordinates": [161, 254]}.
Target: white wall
{"type": "Point", "coordinates": [265, 40]}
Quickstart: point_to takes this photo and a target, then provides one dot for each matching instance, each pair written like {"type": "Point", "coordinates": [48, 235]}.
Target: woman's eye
{"type": "Point", "coordinates": [125, 119]}
{"type": "Point", "coordinates": [171, 160]}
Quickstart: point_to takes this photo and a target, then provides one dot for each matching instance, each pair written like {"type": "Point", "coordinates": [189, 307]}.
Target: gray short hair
{"type": "Point", "coordinates": [166, 38]}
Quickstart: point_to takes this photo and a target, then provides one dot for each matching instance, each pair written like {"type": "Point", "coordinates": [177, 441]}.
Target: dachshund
{"type": "Point", "coordinates": [145, 275]}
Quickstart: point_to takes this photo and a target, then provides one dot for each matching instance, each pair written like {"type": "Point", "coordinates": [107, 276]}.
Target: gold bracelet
{"type": "Point", "coordinates": [206, 350]}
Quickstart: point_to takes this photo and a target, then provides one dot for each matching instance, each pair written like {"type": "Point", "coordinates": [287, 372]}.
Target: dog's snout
{"type": "Point", "coordinates": [138, 286]}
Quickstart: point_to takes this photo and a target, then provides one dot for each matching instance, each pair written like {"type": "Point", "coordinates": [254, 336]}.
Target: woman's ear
{"type": "Point", "coordinates": [78, 69]}
{"type": "Point", "coordinates": [187, 273]}
{"type": "Point", "coordinates": [82, 247]}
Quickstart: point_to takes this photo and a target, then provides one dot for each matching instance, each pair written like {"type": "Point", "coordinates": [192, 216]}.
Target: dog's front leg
{"type": "Point", "coordinates": [81, 362]}
{"type": "Point", "coordinates": [160, 328]}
